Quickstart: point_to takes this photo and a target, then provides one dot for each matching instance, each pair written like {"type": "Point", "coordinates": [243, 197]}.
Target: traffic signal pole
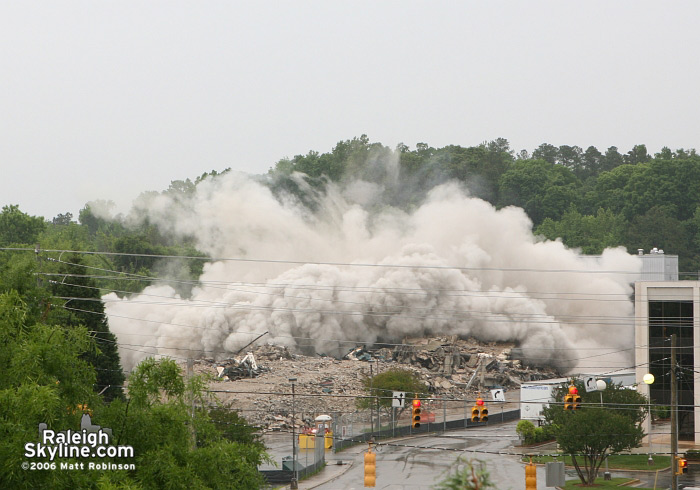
{"type": "Point", "coordinates": [530, 476]}
{"type": "Point", "coordinates": [370, 467]}
{"type": "Point", "coordinates": [674, 415]}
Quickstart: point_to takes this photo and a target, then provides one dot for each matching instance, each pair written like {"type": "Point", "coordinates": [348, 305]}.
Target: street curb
{"type": "Point", "coordinates": [335, 477]}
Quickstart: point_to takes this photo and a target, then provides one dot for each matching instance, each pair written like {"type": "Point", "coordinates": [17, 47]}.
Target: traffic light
{"type": "Point", "coordinates": [530, 476]}
{"type": "Point", "coordinates": [370, 467]}
{"type": "Point", "coordinates": [568, 402]}
{"type": "Point", "coordinates": [682, 466]}
{"type": "Point", "coordinates": [479, 411]}
{"type": "Point", "coordinates": [572, 400]}
{"type": "Point", "coordinates": [415, 414]}
{"type": "Point", "coordinates": [81, 407]}
{"type": "Point", "coordinates": [577, 401]}
{"type": "Point", "coordinates": [475, 413]}
{"type": "Point", "coordinates": [483, 411]}
{"type": "Point", "coordinates": [484, 417]}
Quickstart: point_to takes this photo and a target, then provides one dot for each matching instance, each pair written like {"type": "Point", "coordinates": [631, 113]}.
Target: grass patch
{"type": "Point", "coordinates": [615, 461]}
{"type": "Point", "coordinates": [600, 483]}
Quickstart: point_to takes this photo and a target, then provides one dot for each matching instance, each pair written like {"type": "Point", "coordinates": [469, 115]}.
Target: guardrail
{"type": "Point", "coordinates": [404, 431]}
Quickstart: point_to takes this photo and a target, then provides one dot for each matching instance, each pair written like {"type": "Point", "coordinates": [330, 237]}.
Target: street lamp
{"type": "Point", "coordinates": [600, 384]}
{"type": "Point", "coordinates": [648, 380]}
{"type": "Point", "coordinates": [294, 485]}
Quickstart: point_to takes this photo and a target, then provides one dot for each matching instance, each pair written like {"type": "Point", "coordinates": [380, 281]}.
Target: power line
{"type": "Point", "coordinates": [343, 264]}
{"type": "Point", "coordinates": [510, 316]}
{"type": "Point", "coordinates": [353, 342]}
{"type": "Point", "coordinates": [588, 296]}
{"type": "Point", "coordinates": [499, 317]}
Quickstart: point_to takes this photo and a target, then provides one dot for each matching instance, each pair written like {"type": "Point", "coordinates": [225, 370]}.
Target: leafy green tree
{"type": "Point", "coordinates": [675, 185]}
{"type": "Point", "coordinates": [613, 159]}
{"type": "Point", "coordinates": [548, 153]}
{"type": "Point", "coordinates": [683, 154]}
{"type": "Point", "coordinates": [530, 434]}
{"type": "Point", "coordinates": [592, 162]}
{"type": "Point", "coordinates": [592, 434]}
{"type": "Point", "coordinates": [95, 221]}
{"type": "Point", "coordinates": [174, 447]}
{"type": "Point", "coordinates": [522, 155]}
{"type": "Point", "coordinates": [46, 380]}
{"type": "Point", "coordinates": [43, 381]}
{"type": "Point", "coordinates": [479, 167]}
{"type": "Point", "coordinates": [17, 227]}
{"type": "Point", "coordinates": [659, 228]}
{"type": "Point", "coordinates": [571, 158]}
{"type": "Point", "coordinates": [591, 234]}
{"type": "Point", "coordinates": [233, 427]}
{"type": "Point", "coordinates": [211, 175]}
{"type": "Point", "coordinates": [63, 219]}
{"type": "Point", "coordinates": [136, 250]}
{"type": "Point", "coordinates": [469, 475]}
{"type": "Point", "coordinates": [541, 189]}
{"type": "Point", "coordinates": [664, 154]}
{"type": "Point", "coordinates": [83, 306]}
{"type": "Point", "coordinates": [17, 273]}
{"type": "Point", "coordinates": [411, 162]}
{"type": "Point", "coordinates": [609, 189]}
{"type": "Point", "coordinates": [598, 428]}
{"type": "Point", "coordinates": [67, 236]}
{"type": "Point", "coordinates": [526, 431]}
{"type": "Point", "coordinates": [381, 387]}
{"type": "Point", "coordinates": [638, 154]}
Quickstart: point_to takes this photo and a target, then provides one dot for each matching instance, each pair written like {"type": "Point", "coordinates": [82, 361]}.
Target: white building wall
{"type": "Point", "coordinates": [646, 291]}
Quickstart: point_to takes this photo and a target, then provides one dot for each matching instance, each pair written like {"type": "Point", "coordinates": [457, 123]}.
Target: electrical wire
{"type": "Point", "coordinates": [510, 316]}
{"type": "Point", "coordinates": [337, 264]}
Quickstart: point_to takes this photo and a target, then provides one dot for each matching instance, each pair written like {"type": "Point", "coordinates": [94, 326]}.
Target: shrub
{"type": "Point", "coordinates": [527, 431]}
{"type": "Point", "coordinates": [661, 412]}
{"type": "Point", "coordinates": [530, 434]}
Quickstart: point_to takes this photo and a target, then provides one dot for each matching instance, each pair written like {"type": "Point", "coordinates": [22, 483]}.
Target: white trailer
{"type": "Point", "coordinates": [536, 395]}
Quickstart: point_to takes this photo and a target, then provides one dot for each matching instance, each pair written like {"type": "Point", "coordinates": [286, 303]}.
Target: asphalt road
{"type": "Point", "coordinates": [422, 462]}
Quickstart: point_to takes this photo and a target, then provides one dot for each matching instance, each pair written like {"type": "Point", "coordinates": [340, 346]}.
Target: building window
{"type": "Point", "coordinates": [665, 319]}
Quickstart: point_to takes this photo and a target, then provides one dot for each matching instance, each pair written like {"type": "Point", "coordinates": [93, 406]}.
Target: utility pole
{"type": "Point", "coordinates": [674, 416]}
{"type": "Point", "coordinates": [379, 416]}
{"type": "Point", "coordinates": [295, 481]}
{"type": "Point", "coordinates": [37, 249]}
{"type": "Point", "coordinates": [444, 415]}
{"type": "Point", "coordinates": [371, 389]}
{"type": "Point", "coordinates": [190, 373]}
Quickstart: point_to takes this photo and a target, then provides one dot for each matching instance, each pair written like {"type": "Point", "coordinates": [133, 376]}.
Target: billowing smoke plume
{"type": "Point", "coordinates": [347, 271]}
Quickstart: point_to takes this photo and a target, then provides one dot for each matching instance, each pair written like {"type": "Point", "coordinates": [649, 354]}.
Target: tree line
{"type": "Point", "coordinates": [589, 199]}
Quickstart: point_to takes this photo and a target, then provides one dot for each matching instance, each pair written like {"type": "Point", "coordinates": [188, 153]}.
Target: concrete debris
{"type": "Point", "coordinates": [269, 352]}
{"type": "Point", "coordinates": [451, 367]}
{"type": "Point", "coordinates": [240, 368]}
{"type": "Point", "coordinates": [358, 354]}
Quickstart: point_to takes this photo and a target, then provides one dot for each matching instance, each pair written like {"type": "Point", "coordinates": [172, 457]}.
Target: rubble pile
{"type": "Point", "coordinates": [258, 384]}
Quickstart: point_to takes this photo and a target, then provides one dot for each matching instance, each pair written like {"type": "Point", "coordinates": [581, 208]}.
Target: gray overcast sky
{"type": "Point", "coordinates": [104, 100]}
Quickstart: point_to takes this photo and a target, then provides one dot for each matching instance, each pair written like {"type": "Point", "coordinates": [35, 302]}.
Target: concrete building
{"type": "Point", "coordinates": [663, 308]}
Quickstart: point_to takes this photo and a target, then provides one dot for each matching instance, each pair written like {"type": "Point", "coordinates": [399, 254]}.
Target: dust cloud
{"type": "Point", "coordinates": [336, 268]}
